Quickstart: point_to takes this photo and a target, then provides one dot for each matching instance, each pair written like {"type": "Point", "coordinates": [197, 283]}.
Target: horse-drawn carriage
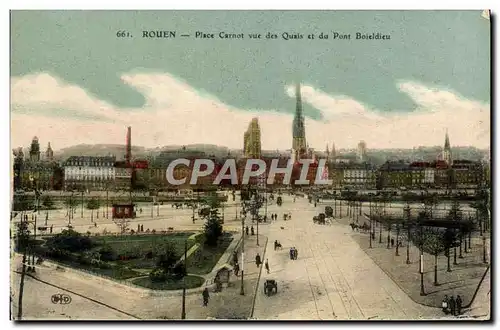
{"type": "Point", "coordinates": [328, 211]}
{"type": "Point", "coordinates": [270, 287]}
{"type": "Point", "coordinates": [319, 219]}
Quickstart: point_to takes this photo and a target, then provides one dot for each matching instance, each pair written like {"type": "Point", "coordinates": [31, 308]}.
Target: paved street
{"type": "Point", "coordinates": [179, 219]}
{"type": "Point", "coordinates": [332, 278]}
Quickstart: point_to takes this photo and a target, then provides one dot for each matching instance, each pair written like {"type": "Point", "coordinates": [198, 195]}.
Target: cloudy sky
{"type": "Point", "coordinates": [74, 81]}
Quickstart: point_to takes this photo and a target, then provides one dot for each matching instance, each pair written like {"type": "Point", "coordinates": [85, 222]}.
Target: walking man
{"type": "Point", "coordinates": [236, 269]}
{"type": "Point", "coordinates": [257, 260]}
{"type": "Point", "coordinates": [459, 305]}
{"type": "Point", "coordinates": [206, 296]}
{"type": "Point", "coordinates": [267, 266]}
{"type": "Point", "coordinates": [452, 305]}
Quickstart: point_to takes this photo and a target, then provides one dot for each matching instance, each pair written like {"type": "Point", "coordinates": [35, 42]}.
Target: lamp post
{"type": "Point", "coordinates": [242, 289]}
{"type": "Point", "coordinates": [422, 291]}
{"type": "Point", "coordinates": [484, 250]}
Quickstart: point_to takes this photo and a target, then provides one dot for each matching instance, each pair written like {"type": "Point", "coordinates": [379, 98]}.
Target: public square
{"type": "Point", "coordinates": [332, 278]}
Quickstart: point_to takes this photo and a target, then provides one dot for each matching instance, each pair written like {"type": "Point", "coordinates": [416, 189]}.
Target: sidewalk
{"type": "Point", "coordinates": [462, 280]}
{"type": "Point", "coordinates": [229, 304]}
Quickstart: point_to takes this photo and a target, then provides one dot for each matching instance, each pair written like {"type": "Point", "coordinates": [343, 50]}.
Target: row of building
{"type": "Point", "coordinates": [107, 173]}
{"type": "Point", "coordinates": [102, 173]}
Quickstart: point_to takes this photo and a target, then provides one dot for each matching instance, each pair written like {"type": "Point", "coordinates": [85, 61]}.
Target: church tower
{"type": "Point", "coordinates": [447, 157]}
{"type": "Point", "coordinates": [49, 154]}
{"type": "Point", "coordinates": [35, 150]}
{"type": "Point", "coordinates": [299, 144]}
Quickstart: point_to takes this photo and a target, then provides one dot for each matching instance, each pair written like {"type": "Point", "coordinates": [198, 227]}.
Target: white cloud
{"type": "Point", "coordinates": [175, 113]}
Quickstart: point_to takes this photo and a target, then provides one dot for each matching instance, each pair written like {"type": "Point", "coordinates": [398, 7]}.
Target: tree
{"type": "Point", "coordinates": [69, 240]}
{"type": "Point", "coordinates": [378, 211]}
{"type": "Point", "coordinates": [122, 223]}
{"type": "Point", "coordinates": [167, 257]}
{"type": "Point", "coordinates": [482, 206]}
{"type": "Point", "coordinates": [93, 204]}
{"type": "Point", "coordinates": [22, 202]}
{"type": "Point", "coordinates": [430, 202]}
{"type": "Point", "coordinates": [47, 202]}
{"type": "Point", "coordinates": [455, 214]}
{"type": "Point", "coordinates": [213, 228]}
{"type": "Point", "coordinates": [409, 225]}
{"type": "Point", "coordinates": [434, 244]}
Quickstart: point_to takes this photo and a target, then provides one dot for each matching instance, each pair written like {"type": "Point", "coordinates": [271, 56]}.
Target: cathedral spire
{"type": "Point", "coordinates": [447, 141]}
{"type": "Point", "coordinates": [447, 157]}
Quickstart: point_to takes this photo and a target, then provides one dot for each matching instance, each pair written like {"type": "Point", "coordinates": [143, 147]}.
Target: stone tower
{"type": "Point", "coordinates": [35, 150]}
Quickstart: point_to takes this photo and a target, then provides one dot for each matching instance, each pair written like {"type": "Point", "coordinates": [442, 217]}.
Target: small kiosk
{"type": "Point", "coordinates": [123, 211]}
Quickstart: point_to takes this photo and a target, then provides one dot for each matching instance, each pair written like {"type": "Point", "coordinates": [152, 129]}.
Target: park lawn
{"type": "Point", "coordinates": [204, 259]}
{"type": "Point", "coordinates": [139, 245]}
{"type": "Point", "coordinates": [192, 281]}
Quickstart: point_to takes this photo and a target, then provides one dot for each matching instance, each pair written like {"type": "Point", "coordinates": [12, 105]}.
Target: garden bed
{"type": "Point", "coordinates": [203, 260]}
{"type": "Point", "coordinates": [192, 282]}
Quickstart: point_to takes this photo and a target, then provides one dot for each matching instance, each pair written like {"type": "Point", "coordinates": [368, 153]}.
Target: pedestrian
{"type": "Point", "coordinates": [291, 253]}
{"type": "Point", "coordinates": [51, 227]}
{"type": "Point", "coordinates": [257, 260]}
{"type": "Point", "coordinates": [246, 230]}
{"type": "Point", "coordinates": [392, 242]}
{"type": "Point", "coordinates": [138, 227]}
{"type": "Point", "coordinates": [252, 231]}
{"type": "Point", "coordinates": [235, 257]}
{"type": "Point", "coordinates": [236, 269]}
{"type": "Point", "coordinates": [142, 228]}
{"type": "Point", "coordinates": [444, 304]}
{"type": "Point", "coordinates": [458, 305]}
{"type": "Point", "coordinates": [295, 253]}
{"type": "Point", "coordinates": [267, 266]}
{"type": "Point", "coordinates": [206, 296]}
{"type": "Point", "coordinates": [451, 303]}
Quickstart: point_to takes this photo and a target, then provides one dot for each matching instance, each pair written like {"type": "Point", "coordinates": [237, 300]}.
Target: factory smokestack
{"type": "Point", "coordinates": [128, 155]}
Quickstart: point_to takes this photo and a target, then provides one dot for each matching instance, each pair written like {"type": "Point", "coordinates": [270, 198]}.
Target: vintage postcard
{"type": "Point", "coordinates": [256, 165]}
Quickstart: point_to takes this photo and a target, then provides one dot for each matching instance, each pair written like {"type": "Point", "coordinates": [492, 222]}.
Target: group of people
{"type": "Point", "coordinates": [293, 253]}
{"type": "Point", "coordinates": [247, 230]}
{"type": "Point", "coordinates": [452, 305]}
{"type": "Point", "coordinates": [392, 242]}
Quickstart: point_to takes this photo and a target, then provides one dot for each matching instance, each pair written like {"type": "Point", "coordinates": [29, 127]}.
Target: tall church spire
{"type": "Point", "coordinates": [447, 141]}
{"type": "Point", "coordinates": [447, 157]}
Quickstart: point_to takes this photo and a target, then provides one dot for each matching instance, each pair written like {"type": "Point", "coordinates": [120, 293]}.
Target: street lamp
{"type": "Point", "coordinates": [422, 291]}
{"type": "Point", "coordinates": [242, 289]}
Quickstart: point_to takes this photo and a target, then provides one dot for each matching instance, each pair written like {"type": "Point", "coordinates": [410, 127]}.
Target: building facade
{"type": "Point", "coordinates": [251, 139]}
{"type": "Point", "coordinates": [89, 173]}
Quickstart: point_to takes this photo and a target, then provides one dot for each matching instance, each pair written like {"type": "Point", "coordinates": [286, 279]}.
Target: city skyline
{"type": "Point", "coordinates": [400, 93]}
